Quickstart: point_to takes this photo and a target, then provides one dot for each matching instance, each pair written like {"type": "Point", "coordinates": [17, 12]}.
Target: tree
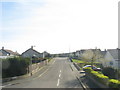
{"type": "Point", "coordinates": [91, 55]}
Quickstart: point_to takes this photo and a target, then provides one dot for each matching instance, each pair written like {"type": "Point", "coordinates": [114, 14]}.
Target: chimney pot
{"type": "Point", "coordinates": [31, 47]}
{"type": "Point", "coordinates": [3, 48]}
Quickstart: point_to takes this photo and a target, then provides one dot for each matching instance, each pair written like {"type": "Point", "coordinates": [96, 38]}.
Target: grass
{"type": "Point", "coordinates": [77, 61]}
{"type": "Point", "coordinates": [49, 59]}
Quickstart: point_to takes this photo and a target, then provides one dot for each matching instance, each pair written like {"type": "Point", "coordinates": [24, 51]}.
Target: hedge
{"type": "Point", "coordinates": [98, 76]}
{"type": "Point", "coordinates": [15, 66]}
{"type": "Point", "coordinates": [113, 83]}
{"type": "Point", "coordinates": [110, 72]}
{"type": "Point", "coordinates": [88, 69]}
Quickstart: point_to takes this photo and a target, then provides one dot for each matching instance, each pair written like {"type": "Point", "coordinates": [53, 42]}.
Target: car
{"type": "Point", "coordinates": [93, 67]}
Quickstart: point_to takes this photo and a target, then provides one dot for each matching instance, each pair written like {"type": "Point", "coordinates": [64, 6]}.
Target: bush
{"type": "Point", "coordinates": [110, 72]}
{"type": "Point", "coordinates": [100, 77]}
{"type": "Point", "coordinates": [88, 69]}
{"type": "Point", "coordinates": [14, 66]}
{"type": "Point", "coordinates": [114, 83]}
{"type": "Point", "coordinates": [96, 75]}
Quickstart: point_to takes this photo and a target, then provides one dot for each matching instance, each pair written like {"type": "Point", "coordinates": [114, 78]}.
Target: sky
{"type": "Point", "coordinates": [58, 26]}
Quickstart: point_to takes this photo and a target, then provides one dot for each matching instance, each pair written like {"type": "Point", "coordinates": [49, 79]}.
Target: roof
{"type": "Point", "coordinates": [31, 49]}
{"type": "Point", "coordinates": [38, 54]}
{"type": "Point", "coordinates": [10, 52]}
{"type": "Point", "coordinates": [95, 49]}
{"type": "Point", "coordinates": [82, 51]}
{"type": "Point", "coordinates": [115, 53]}
{"type": "Point", "coordinates": [103, 53]}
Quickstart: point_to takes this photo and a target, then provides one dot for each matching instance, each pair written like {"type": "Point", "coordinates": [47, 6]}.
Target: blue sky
{"type": "Point", "coordinates": [57, 25]}
{"type": "Point", "coordinates": [14, 11]}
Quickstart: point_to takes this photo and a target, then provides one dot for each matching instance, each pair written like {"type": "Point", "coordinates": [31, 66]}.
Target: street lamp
{"type": "Point", "coordinates": [31, 63]}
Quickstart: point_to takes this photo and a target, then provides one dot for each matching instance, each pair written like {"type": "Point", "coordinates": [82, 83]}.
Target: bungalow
{"type": "Point", "coordinates": [4, 53]}
{"type": "Point", "coordinates": [31, 52]}
{"type": "Point", "coordinates": [45, 54]}
{"type": "Point", "coordinates": [102, 59]}
{"type": "Point", "coordinates": [103, 53]}
{"type": "Point", "coordinates": [72, 54]}
{"type": "Point", "coordinates": [112, 58]}
{"type": "Point", "coordinates": [77, 53]}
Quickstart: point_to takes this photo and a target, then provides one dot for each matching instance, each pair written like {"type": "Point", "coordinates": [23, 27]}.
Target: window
{"type": "Point", "coordinates": [111, 63]}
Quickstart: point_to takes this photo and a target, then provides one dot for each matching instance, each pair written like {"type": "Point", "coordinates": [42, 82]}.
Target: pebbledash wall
{"type": "Point", "coordinates": [37, 66]}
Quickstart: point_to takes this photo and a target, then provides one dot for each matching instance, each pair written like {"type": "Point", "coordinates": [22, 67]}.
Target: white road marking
{"type": "Point", "coordinates": [5, 85]}
{"type": "Point", "coordinates": [43, 73]}
{"type": "Point", "coordinates": [60, 71]}
{"type": "Point", "coordinates": [58, 82]}
{"type": "Point", "coordinates": [2, 86]}
{"type": "Point", "coordinates": [53, 62]}
{"type": "Point", "coordinates": [59, 75]}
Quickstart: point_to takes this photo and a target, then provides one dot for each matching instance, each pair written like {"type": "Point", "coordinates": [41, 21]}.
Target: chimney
{"type": "Point", "coordinates": [31, 47]}
{"type": "Point", "coordinates": [2, 48]}
{"type": "Point", "coordinates": [105, 50]}
{"type": "Point", "coordinates": [117, 48]}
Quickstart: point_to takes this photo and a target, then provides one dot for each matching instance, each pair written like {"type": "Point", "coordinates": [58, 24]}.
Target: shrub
{"type": "Point", "coordinates": [14, 66]}
{"type": "Point", "coordinates": [110, 72]}
{"type": "Point", "coordinates": [88, 69]}
{"type": "Point", "coordinates": [100, 77]}
{"type": "Point", "coordinates": [114, 83]}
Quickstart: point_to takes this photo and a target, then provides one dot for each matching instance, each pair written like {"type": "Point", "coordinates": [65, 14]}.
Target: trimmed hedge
{"type": "Point", "coordinates": [15, 66]}
{"type": "Point", "coordinates": [98, 76]}
{"type": "Point", "coordinates": [114, 83]}
{"type": "Point", "coordinates": [88, 69]}
{"type": "Point", "coordinates": [110, 72]}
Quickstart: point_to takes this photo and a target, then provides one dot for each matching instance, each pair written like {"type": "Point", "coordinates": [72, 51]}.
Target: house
{"type": "Point", "coordinates": [81, 53]}
{"type": "Point", "coordinates": [72, 54]}
{"type": "Point", "coordinates": [102, 59]}
{"type": "Point", "coordinates": [77, 53]}
{"type": "Point", "coordinates": [103, 53]}
{"type": "Point", "coordinates": [31, 52]}
{"type": "Point", "coordinates": [4, 53]}
{"type": "Point", "coordinates": [112, 58]}
{"type": "Point", "coordinates": [45, 54]}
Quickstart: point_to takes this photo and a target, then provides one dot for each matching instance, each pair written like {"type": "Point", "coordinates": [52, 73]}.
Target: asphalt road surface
{"type": "Point", "coordinates": [57, 74]}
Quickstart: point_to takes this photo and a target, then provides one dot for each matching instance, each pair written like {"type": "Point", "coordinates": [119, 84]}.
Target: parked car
{"type": "Point", "coordinates": [93, 67]}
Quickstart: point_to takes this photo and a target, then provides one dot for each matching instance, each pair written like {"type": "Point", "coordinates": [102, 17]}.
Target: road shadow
{"type": "Point", "coordinates": [73, 84]}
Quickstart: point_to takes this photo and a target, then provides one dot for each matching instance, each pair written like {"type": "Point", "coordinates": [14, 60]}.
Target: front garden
{"type": "Point", "coordinates": [101, 78]}
{"type": "Point", "coordinates": [108, 76]}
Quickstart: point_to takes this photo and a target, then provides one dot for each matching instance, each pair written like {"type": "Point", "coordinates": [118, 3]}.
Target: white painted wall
{"type": "Point", "coordinates": [107, 59]}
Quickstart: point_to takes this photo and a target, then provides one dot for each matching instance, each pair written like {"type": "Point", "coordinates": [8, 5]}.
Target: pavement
{"type": "Point", "coordinates": [59, 73]}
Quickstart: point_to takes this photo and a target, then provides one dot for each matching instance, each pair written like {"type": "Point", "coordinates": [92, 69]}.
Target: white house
{"type": "Point", "coordinates": [31, 52]}
{"type": "Point", "coordinates": [77, 53]}
{"type": "Point", "coordinates": [112, 58]}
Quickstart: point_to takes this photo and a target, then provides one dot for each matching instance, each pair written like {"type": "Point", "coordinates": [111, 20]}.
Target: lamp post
{"type": "Point", "coordinates": [31, 61]}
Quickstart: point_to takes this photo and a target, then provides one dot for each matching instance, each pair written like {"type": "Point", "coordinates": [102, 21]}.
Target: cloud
{"type": "Point", "coordinates": [56, 24]}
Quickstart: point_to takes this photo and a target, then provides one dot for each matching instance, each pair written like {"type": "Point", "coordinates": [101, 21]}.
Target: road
{"type": "Point", "coordinates": [57, 74]}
